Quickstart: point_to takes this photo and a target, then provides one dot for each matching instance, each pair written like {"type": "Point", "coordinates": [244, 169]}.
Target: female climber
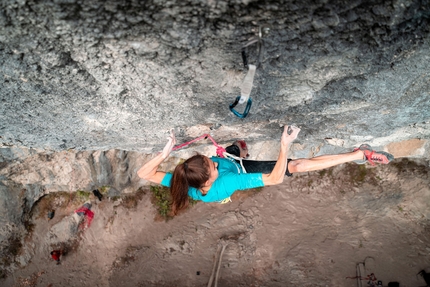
{"type": "Point", "coordinates": [216, 179]}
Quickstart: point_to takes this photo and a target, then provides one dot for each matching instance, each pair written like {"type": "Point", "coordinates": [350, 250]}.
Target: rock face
{"type": "Point", "coordinates": [87, 87]}
{"type": "Point", "coordinates": [102, 74]}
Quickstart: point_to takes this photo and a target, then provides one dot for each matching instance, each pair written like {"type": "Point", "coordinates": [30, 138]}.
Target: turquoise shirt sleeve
{"type": "Point", "coordinates": [166, 179]}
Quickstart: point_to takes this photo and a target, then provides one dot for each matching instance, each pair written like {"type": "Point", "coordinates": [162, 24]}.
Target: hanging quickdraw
{"type": "Point", "coordinates": [249, 78]}
{"type": "Point", "coordinates": [245, 91]}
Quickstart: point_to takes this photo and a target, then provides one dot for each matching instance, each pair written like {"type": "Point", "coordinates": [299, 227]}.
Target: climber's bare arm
{"type": "Point", "coordinates": [278, 172]}
{"type": "Point", "coordinates": [149, 171]}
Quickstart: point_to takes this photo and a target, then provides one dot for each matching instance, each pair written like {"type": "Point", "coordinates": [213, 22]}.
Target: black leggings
{"type": "Point", "coordinates": [257, 166]}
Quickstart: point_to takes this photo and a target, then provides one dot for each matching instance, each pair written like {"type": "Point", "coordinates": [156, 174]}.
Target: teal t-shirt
{"type": "Point", "coordinates": [230, 178]}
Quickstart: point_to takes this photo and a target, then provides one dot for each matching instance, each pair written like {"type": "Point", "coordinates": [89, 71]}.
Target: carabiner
{"type": "Point", "coordinates": [245, 112]}
{"type": "Point", "coordinates": [260, 46]}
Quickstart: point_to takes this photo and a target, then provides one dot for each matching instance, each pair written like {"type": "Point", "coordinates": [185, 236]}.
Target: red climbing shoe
{"type": "Point", "coordinates": [375, 156]}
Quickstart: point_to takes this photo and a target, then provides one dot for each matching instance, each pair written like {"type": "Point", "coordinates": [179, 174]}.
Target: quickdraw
{"type": "Point", "coordinates": [249, 78]}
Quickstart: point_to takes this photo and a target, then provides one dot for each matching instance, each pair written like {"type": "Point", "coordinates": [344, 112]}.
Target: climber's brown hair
{"type": "Point", "coordinates": [194, 172]}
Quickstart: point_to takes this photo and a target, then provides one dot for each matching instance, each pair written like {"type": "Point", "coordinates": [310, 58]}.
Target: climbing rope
{"type": "Point", "coordinates": [220, 151]}
{"type": "Point", "coordinates": [224, 246]}
{"type": "Point", "coordinates": [223, 242]}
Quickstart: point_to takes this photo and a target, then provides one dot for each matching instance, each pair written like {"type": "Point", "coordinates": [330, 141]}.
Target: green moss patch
{"type": "Point", "coordinates": [162, 200]}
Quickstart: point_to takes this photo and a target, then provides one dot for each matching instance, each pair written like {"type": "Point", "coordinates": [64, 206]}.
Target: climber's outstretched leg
{"type": "Point", "coordinates": [363, 153]}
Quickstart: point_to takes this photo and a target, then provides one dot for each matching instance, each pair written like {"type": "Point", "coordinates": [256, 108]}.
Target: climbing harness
{"type": "Point", "coordinates": [245, 90]}
{"type": "Point", "coordinates": [225, 200]}
{"type": "Point", "coordinates": [231, 156]}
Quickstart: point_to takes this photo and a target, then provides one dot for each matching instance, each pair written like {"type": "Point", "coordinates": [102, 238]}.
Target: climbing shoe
{"type": "Point", "coordinates": [374, 156]}
{"type": "Point", "coordinates": [238, 148]}
{"type": "Point", "coordinates": [242, 147]}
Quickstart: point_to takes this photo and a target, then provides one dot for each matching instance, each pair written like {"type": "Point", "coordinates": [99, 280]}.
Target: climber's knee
{"type": "Point", "coordinates": [297, 165]}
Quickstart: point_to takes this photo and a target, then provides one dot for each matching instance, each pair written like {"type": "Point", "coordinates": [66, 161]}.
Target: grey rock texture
{"type": "Point", "coordinates": [106, 74]}
{"type": "Point", "coordinates": [88, 87]}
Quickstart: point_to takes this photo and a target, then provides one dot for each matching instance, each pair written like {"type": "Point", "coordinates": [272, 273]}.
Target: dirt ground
{"type": "Point", "coordinates": [313, 230]}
